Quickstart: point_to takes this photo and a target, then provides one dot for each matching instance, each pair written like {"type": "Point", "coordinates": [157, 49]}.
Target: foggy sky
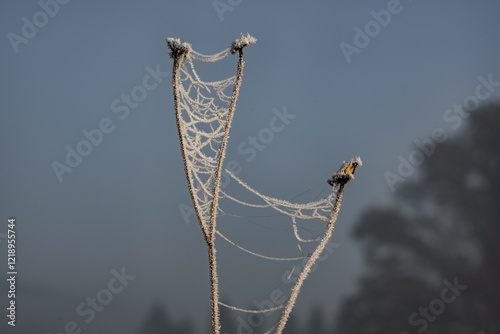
{"type": "Point", "coordinates": [119, 207]}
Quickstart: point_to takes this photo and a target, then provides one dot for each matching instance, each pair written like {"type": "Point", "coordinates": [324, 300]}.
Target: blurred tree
{"type": "Point", "coordinates": [227, 319]}
{"type": "Point", "coordinates": [316, 322]}
{"type": "Point", "coordinates": [158, 322]}
{"type": "Point", "coordinates": [292, 326]}
{"type": "Point", "coordinates": [185, 327]}
{"type": "Point", "coordinates": [443, 227]}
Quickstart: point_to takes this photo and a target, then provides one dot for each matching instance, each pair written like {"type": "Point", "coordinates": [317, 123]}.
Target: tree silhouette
{"type": "Point", "coordinates": [433, 256]}
{"type": "Point", "coordinates": [159, 322]}
{"type": "Point", "coordinates": [228, 319]}
{"type": "Point", "coordinates": [292, 327]}
{"type": "Point", "coordinates": [316, 322]}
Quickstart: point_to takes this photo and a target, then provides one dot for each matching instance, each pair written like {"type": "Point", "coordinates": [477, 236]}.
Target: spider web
{"type": "Point", "coordinates": [204, 114]}
{"type": "Point", "coordinates": [204, 108]}
{"type": "Point", "coordinates": [316, 212]}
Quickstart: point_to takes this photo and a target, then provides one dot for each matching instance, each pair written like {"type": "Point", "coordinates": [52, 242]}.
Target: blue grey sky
{"type": "Point", "coordinates": [119, 207]}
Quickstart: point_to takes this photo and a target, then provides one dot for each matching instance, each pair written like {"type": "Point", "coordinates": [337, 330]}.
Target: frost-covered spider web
{"type": "Point", "coordinates": [318, 211]}
{"type": "Point", "coordinates": [204, 108]}
{"type": "Point", "coordinates": [204, 112]}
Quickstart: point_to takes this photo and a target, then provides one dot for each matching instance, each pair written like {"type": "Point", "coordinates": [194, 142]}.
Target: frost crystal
{"type": "Point", "coordinates": [176, 48]}
{"type": "Point", "coordinates": [241, 42]}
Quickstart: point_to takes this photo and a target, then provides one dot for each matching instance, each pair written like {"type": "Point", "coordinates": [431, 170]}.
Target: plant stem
{"type": "Point", "coordinates": [214, 281]}
{"type": "Point", "coordinates": [175, 76]}
{"type": "Point", "coordinates": [314, 257]}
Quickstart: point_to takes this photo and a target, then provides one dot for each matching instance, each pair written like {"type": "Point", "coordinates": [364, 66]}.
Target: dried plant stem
{"type": "Point", "coordinates": [214, 288]}
{"type": "Point", "coordinates": [214, 280]}
{"type": "Point", "coordinates": [314, 257]}
{"type": "Point", "coordinates": [195, 161]}
{"type": "Point", "coordinates": [175, 79]}
{"type": "Point", "coordinates": [209, 231]}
